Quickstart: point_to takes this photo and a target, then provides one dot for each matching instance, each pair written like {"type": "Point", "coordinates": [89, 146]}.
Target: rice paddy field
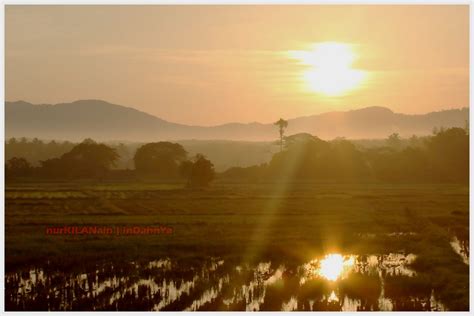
{"type": "Point", "coordinates": [278, 246]}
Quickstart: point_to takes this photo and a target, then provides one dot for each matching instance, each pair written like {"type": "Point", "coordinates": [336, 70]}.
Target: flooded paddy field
{"type": "Point", "coordinates": [333, 282]}
{"type": "Point", "coordinates": [240, 247]}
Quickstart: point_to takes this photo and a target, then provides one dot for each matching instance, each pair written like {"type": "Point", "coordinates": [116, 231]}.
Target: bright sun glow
{"type": "Point", "coordinates": [330, 69]}
{"type": "Point", "coordinates": [333, 266]}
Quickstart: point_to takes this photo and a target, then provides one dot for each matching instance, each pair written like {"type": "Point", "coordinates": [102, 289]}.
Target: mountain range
{"type": "Point", "coordinates": [104, 121]}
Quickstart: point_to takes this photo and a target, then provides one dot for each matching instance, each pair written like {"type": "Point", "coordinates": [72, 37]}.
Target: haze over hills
{"type": "Point", "coordinates": [104, 121]}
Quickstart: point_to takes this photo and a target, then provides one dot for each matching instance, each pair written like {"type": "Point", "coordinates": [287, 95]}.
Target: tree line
{"type": "Point", "coordinates": [442, 157]}
{"type": "Point", "coordinates": [89, 159]}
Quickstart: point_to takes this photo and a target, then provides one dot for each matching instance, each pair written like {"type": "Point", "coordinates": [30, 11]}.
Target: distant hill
{"type": "Point", "coordinates": [104, 121]}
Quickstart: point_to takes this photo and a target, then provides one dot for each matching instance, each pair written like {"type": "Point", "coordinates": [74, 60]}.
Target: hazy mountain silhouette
{"type": "Point", "coordinates": [101, 120]}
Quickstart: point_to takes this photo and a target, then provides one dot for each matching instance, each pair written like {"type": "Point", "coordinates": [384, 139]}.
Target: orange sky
{"type": "Point", "coordinates": [214, 64]}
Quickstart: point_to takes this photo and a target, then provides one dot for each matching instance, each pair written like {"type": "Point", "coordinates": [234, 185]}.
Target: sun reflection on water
{"type": "Point", "coordinates": [334, 266]}
{"type": "Point", "coordinates": [168, 285]}
{"type": "Point", "coordinates": [333, 297]}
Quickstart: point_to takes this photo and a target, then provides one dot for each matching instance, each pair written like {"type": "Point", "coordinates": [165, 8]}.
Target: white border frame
{"type": "Point", "coordinates": [220, 2]}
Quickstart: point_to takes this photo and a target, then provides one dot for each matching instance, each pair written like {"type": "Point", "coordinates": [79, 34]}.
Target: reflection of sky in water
{"type": "Point", "coordinates": [461, 248]}
{"type": "Point", "coordinates": [216, 284]}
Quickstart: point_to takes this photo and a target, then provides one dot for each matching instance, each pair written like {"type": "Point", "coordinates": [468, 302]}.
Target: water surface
{"type": "Point", "coordinates": [331, 282]}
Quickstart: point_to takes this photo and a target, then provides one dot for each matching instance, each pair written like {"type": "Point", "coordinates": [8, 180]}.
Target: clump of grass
{"type": "Point", "coordinates": [361, 286]}
{"type": "Point", "coordinates": [437, 263]}
{"type": "Point", "coordinates": [314, 289]}
{"type": "Point", "coordinates": [401, 286]}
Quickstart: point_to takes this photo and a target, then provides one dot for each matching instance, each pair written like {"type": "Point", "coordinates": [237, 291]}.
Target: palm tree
{"type": "Point", "coordinates": [282, 124]}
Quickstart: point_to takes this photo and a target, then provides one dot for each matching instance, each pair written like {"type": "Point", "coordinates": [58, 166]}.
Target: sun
{"type": "Point", "coordinates": [330, 69]}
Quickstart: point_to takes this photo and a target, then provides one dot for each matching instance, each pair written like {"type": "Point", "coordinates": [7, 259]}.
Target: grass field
{"type": "Point", "coordinates": [245, 223]}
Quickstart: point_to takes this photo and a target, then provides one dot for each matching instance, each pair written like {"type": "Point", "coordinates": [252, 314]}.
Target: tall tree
{"type": "Point", "coordinates": [282, 124]}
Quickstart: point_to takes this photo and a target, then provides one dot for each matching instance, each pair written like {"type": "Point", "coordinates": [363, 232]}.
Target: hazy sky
{"type": "Point", "coordinates": [214, 64]}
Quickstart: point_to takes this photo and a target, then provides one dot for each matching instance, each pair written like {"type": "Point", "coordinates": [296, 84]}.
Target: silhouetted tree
{"type": "Point", "coordinates": [199, 172]}
{"type": "Point", "coordinates": [12, 141]}
{"type": "Point", "coordinates": [414, 141]}
{"type": "Point", "coordinates": [17, 167]}
{"type": "Point", "coordinates": [298, 138]}
{"type": "Point", "coordinates": [54, 168]}
{"type": "Point", "coordinates": [282, 124]}
{"type": "Point", "coordinates": [160, 159]}
{"type": "Point", "coordinates": [185, 168]}
{"type": "Point", "coordinates": [449, 154]}
{"type": "Point", "coordinates": [248, 174]}
{"type": "Point", "coordinates": [35, 150]}
{"type": "Point", "coordinates": [394, 140]}
{"type": "Point", "coordinates": [87, 159]}
{"type": "Point", "coordinates": [91, 158]}
{"type": "Point", "coordinates": [305, 158]}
